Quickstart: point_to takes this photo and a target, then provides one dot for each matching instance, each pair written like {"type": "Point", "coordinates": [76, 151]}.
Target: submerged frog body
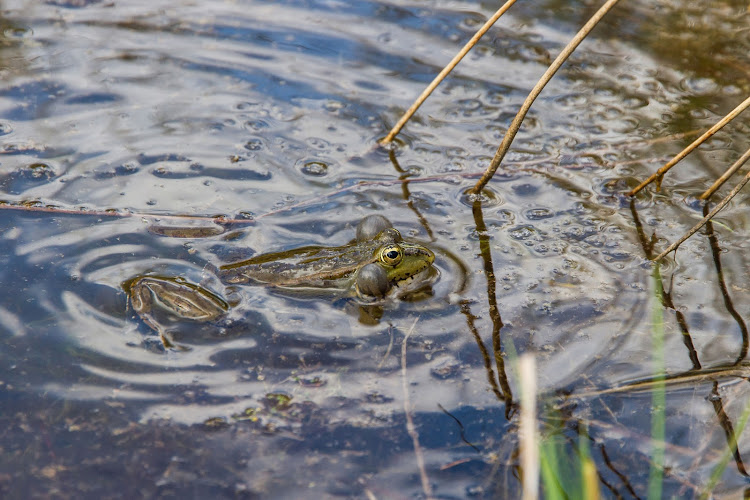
{"type": "Point", "coordinates": [176, 296]}
{"type": "Point", "coordinates": [378, 261]}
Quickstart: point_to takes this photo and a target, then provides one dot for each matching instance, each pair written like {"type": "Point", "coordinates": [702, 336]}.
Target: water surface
{"type": "Point", "coordinates": [268, 114]}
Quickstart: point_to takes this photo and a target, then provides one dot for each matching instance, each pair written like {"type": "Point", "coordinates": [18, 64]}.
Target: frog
{"type": "Point", "coordinates": [378, 263]}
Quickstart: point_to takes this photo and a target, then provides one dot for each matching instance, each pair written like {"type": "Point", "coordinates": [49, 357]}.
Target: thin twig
{"type": "Point", "coordinates": [528, 428]}
{"type": "Point", "coordinates": [410, 427]}
{"type": "Point", "coordinates": [433, 85]}
{"type": "Point", "coordinates": [388, 349]}
{"type": "Point", "coordinates": [705, 219]}
{"type": "Point", "coordinates": [546, 77]}
{"type": "Point", "coordinates": [657, 140]}
{"type": "Point", "coordinates": [462, 430]}
{"type": "Point", "coordinates": [700, 140]}
{"type": "Point", "coordinates": [721, 180]}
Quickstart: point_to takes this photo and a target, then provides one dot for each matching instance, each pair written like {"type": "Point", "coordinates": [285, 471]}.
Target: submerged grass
{"type": "Point", "coordinates": [528, 428]}
{"type": "Point", "coordinates": [722, 465]}
{"type": "Point", "coordinates": [568, 473]}
{"type": "Point", "coordinates": [551, 469]}
{"type": "Point", "coordinates": [658, 397]}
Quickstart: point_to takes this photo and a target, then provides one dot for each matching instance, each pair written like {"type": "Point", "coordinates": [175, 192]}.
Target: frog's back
{"type": "Point", "coordinates": [313, 266]}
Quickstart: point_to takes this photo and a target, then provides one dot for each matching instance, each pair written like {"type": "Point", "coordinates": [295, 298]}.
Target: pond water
{"type": "Point", "coordinates": [136, 123]}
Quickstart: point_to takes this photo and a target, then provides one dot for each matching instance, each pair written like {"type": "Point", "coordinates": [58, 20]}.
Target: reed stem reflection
{"type": "Point", "coordinates": [713, 241]}
{"type": "Point", "coordinates": [501, 387]}
{"type": "Point", "coordinates": [666, 296]}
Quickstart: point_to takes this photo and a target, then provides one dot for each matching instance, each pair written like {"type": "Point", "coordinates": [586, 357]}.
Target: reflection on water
{"type": "Point", "coordinates": [258, 119]}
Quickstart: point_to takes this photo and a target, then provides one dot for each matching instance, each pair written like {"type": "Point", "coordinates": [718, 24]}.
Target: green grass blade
{"type": "Point", "coordinates": [719, 469]}
{"type": "Point", "coordinates": [658, 398]}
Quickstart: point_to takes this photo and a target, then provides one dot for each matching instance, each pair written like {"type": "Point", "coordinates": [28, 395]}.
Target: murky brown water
{"type": "Point", "coordinates": [271, 110]}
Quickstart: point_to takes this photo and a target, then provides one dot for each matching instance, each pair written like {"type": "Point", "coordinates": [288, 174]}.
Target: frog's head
{"type": "Point", "coordinates": [397, 263]}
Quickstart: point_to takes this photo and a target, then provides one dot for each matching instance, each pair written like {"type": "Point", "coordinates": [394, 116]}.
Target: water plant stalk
{"type": "Point", "coordinates": [446, 70]}
{"type": "Point", "coordinates": [705, 219]}
{"type": "Point", "coordinates": [730, 171]}
{"type": "Point", "coordinates": [510, 134]}
{"type": "Point", "coordinates": [700, 140]}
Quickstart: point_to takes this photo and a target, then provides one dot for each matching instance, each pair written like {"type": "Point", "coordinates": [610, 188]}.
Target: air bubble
{"type": "Point", "coordinates": [487, 198]}
{"type": "Point", "coordinates": [315, 169]}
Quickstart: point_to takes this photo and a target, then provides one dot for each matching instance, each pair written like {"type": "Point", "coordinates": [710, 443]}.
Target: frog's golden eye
{"type": "Point", "coordinates": [391, 255]}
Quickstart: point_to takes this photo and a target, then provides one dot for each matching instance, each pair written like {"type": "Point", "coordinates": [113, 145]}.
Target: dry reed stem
{"type": "Point", "coordinates": [528, 433]}
{"type": "Point", "coordinates": [510, 134]}
{"type": "Point", "coordinates": [441, 76]}
{"type": "Point", "coordinates": [688, 378]}
{"type": "Point", "coordinates": [32, 206]}
{"type": "Point", "coordinates": [410, 427]}
{"type": "Point", "coordinates": [705, 219]}
{"type": "Point", "coordinates": [721, 180]}
{"type": "Point", "coordinates": [682, 154]}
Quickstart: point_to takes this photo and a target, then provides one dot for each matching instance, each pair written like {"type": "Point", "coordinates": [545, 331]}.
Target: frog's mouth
{"type": "Point", "coordinates": [419, 281]}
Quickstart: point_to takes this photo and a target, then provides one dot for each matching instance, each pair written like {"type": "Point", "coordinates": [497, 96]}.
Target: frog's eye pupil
{"type": "Point", "coordinates": [393, 254]}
